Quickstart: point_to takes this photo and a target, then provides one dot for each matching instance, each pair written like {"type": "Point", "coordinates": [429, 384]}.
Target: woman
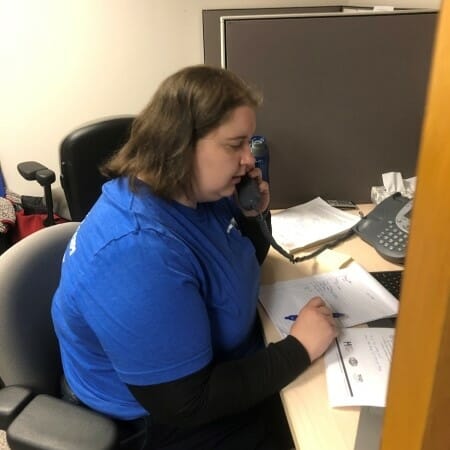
{"type": "Point", "coordinates": [156, 309]}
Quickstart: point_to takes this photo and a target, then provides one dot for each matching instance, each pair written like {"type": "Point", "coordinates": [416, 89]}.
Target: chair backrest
{"type": "Point", "coordinates": [29, 276]}
{"type": "Point", "coordinates": [81, 154]}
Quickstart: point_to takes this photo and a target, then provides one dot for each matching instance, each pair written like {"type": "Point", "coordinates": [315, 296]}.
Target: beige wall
{"type": "Point", "coordinates": [66, 62]}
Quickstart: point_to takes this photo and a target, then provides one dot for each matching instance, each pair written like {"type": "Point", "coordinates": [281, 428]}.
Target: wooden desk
{"type": "Point", "coordinates": [314, 424]}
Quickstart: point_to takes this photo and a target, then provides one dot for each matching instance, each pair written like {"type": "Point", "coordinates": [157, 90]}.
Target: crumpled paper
{"type": "Point", "coordinates": [392, 183]}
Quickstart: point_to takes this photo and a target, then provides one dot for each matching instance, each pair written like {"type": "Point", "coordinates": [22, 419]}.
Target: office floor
{"type": "Point", "coordinates": [3, 444]}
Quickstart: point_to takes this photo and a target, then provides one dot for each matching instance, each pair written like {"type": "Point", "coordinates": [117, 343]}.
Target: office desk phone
{"type": "Point", "coordinates": [386, 227]}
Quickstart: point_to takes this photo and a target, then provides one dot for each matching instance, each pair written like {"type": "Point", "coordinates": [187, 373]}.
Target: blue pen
{"type": "Point", "coordinates": [336, 315]}
{"type": "Point", "coordinates": [291, 317]}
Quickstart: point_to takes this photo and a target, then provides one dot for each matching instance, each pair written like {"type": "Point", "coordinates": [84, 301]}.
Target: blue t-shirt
{"type": "Point", "coordinates": [152, 291]}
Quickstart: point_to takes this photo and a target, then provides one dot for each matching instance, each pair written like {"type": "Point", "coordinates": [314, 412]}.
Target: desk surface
{"type": "Point", "coordinates": [314, 424]}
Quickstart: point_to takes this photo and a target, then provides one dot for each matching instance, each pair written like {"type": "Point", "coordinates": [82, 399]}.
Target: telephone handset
{"type": "Point", "coordinates": [248, 193]}
{"type": "Point", "coordinates": [249, 198]}
{"type": "Point", "coordinates": [386, 227]}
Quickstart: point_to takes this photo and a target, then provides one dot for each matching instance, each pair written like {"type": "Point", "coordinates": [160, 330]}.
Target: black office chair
{"type": "Point", "coordinates": [80, 154]}
{"type": "Point", "coordinates": [31, 410]}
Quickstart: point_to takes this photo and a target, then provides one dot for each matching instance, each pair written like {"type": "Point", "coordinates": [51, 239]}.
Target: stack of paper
{"type": "Point", "coordinates": [310, 224]}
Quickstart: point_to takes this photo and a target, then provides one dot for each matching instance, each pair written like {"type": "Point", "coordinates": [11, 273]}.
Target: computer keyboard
{"type": "Point", "coordinates": [391, 280]}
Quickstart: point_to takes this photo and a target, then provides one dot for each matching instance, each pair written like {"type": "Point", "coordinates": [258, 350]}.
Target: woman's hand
{"type": "Point", "coordinates": [315, 327]}
{"type": "Point", "coordinates": [263, 186]}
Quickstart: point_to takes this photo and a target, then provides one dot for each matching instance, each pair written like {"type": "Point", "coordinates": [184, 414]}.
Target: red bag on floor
{"type": "Point", "coordinates": [29, 223]}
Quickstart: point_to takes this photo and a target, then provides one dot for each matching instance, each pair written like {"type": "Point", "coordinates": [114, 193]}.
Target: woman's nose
{"type": "Point", "coordinates": [247, 156]}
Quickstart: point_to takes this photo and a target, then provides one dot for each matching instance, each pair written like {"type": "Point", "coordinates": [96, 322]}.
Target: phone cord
{"type": "Point", "coordinates": [268, 235]}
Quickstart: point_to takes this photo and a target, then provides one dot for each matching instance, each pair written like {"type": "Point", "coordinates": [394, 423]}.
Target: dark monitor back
{"type": "Point", "coordinates": [344, 97]}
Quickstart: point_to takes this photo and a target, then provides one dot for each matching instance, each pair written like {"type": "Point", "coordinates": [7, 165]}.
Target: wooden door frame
{"type": "Point", "coordinates": [418, 403]}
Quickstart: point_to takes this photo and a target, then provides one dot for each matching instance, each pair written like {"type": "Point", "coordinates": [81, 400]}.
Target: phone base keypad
{"type": "Point", "coordinates": [392, 238]}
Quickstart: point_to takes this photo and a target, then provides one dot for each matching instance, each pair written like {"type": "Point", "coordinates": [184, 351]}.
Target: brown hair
{"type": "Point", "coordinates": [186, 107]}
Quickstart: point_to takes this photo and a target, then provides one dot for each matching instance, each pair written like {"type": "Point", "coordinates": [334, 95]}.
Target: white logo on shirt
{"type": "Point", "coordinates": [73, 244]}
{"type": "Point", "coordinates": [231, 225]}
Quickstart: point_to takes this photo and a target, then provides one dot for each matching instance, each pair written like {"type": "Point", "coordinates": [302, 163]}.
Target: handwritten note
{"type": "Point", "coordinates": [358, 365]}
{"type": "Point", "coordinates": [352, 291]}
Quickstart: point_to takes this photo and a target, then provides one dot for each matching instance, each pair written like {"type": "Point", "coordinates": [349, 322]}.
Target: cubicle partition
{"type": "Point", "coordinates": [344, 92]}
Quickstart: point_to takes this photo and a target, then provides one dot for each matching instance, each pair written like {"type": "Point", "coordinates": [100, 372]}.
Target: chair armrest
{"type": "Point", "coordinates": [28, 169]}
{"type": "Point", "coordinates": [33, 170]}
{"type": "Point", "coordinates": [12, 400]}
{"type": "Point", "coordinates": [49, 423]}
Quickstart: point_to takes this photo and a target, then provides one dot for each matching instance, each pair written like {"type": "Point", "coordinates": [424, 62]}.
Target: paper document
{"type": "Point", "coordinates": [310, 223]}
{"type": "Point", "coordinates": [351, 291]}
{"type": "Point", "coordinates": [358, 365]}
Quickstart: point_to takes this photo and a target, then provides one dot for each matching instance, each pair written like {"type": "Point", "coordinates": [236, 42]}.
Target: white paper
{"type": "Point", "coordinates": [309, 223]}
{"type": "Point", "coordinates": [358, 365]}
{"type": "Point", "coordinates": [352, 291]}
{"type": "Point", "coordinates": [383, 8]}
